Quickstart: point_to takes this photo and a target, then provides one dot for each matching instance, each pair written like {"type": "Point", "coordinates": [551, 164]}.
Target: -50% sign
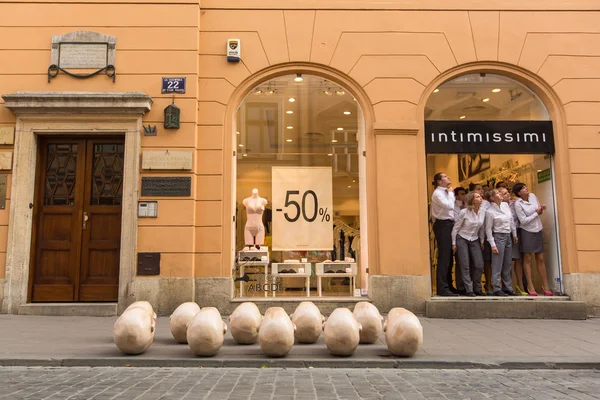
{"type": "Point", "coordinates": [302, 200]}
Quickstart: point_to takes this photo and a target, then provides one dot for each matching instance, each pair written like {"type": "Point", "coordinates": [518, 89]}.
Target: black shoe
{"type": "Point", "coordinates": [500, 293]}
{"type": "Point", "coordinates": [447, 294]}
{"type": "Point", "coordinates": [509, 292]}
{"type": "Point", "coordinates": [470, 294]}
{"type": "Point", "coordinates": [462, 293]}
{"type": "Point", "coordinates": [480, 294]}
{"type": "Point", "coordinates": [453, 289]}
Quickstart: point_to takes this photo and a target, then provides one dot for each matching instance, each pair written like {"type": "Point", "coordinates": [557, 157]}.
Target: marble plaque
{"type": "Point", "coordinates": [167, 159]}
{"type": "Point", "coordinates": [7, 135]}
{"type": "Point", "coordinates": [83, 55]}
{"type": "Point", "coordinates": [6, 160]}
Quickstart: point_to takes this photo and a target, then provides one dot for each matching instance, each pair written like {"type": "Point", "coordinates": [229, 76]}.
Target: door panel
{"type": "Point", "coordinates": [102, 230]}
{"type": "Point", "coordinates": [57, 234]}
{"type": "Point", "coordinates": [77, 220]}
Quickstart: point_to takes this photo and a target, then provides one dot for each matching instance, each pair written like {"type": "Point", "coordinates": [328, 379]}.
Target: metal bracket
{"type": "Point", "coordinates": [109, 70]}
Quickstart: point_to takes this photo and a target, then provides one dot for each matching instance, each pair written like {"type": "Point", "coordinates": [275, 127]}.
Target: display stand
{"type": "Point", "coordinates": [253, 258]}
{"type": "Point", "coordinates": [302, 270]}
{"type": "Point", "coordinates": [322, 269]}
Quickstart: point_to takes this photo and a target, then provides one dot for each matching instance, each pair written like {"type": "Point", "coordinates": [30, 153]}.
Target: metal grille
{"type": "Point", "coordinates": [107, 174]}
{"type": "Point", "coordinates": [61, 169]}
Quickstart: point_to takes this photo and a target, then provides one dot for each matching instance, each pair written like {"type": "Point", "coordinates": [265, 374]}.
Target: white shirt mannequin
{"type": "Point", "coordinates": [254, 231]}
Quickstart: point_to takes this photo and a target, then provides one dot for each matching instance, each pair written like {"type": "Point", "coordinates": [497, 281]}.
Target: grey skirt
{"type": "Point", "coordinates": [516, 249]}
{"type": "Point", "coordinates": [531, 242]}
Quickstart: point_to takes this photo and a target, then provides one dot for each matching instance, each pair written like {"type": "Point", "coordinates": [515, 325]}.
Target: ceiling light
{"type": "Point", "coordinates": [496, 90]}
{"type": "Point", "coordinates": [329, 154]}
{"type": "Point", "coordinates": [353, 180]}
{"type": "Point", "coordinates": [298, 78]}
{"type": "Point", "coordinates": [347, 113]}
{"type": "Point", "coordinates": [436, 90]}
{"type": "Point", "coordinates": [244, 155]}
{"type": "Point", "coordinates": [340, 92]}
{"type": "Point", "coordinates": [269, 92]}
{"type": "Point", "coordinates": [349, 186]}
{"type": "Point", "coordinates": [333, 141]}
{"type": "Point", "coordinates": [290, 127]}
{"type": "Point", "coordinates": [291, 99]}
{"type": "Point", "coordinates": [462, 117]}
{"type": "Point", "coordinates": [257, 91]}
{"type": "Point", "coordinates": [237, 132]}
{"type": "Point", "coordinates": [539, 170]}
{"type": "Point", "coordinates": [241, 145]}
{"type": "Point", "coordinates": [327, 92]}
{"type": "Point", "coordinates": [486, 100]}
{"type": "Point", "coordinates": [289, 112]}
{"type": "Point", "coordinates": [289, 140]}
{"type": "Point", "coordinates": [340, 129]}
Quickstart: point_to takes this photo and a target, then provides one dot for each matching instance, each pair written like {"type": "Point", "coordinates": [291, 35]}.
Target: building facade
{"type": "Point", "coordinates": [107, 201]}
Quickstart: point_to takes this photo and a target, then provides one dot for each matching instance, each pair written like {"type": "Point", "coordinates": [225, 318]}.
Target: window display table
{"type": "Point", "coordinates": [293, 270]}
{"type": "Point", "coordinates": [336, 270]}
{"type": "Point", "coordinates": [253, 264]}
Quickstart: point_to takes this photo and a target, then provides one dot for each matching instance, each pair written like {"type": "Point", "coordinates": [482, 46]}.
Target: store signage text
{"type": "Point", "coordinates": [489, 137]}
{"type": "Point", "coordinates": [303, 206]}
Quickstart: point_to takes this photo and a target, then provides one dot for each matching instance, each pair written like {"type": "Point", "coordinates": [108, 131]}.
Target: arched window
{"type": "Point", "coordinates": [298, 190]}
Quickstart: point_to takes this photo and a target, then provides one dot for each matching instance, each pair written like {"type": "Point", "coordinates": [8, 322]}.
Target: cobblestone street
{"type": "Point", "coordinates": [281, 384]}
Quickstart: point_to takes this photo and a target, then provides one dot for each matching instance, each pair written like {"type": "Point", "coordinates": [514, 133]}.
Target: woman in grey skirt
{"type": "Point", "coordinates": [467, 240]}
{"type": "Point", "coordinates": [528, 210]}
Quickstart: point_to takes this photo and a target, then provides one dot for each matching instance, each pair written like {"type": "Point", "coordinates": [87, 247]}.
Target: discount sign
{"type": "Point", "coordinates": [303, 205]}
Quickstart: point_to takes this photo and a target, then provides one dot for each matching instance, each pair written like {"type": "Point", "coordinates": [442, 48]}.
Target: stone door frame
{"type": "Point", "coordinates": [70, 113]}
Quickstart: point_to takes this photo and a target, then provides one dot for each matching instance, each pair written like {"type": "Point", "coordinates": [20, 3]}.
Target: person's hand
{"type": "Point", "coordinates": [544, 207]}
{"type": "Point", "coordinates": [453, 249]}
{"type": "Point", "coordinates": [450, 189]}
{"type": "Point", "coordinates": [495, 250]}
{"type": "Point", "coordinates": [515, 240]}
{"type": "Point", "coordinates": [539, 211]}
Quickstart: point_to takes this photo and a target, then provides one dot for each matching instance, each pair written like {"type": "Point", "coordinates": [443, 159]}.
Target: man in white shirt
{"type": "Point", "coordinates": [442, 212]}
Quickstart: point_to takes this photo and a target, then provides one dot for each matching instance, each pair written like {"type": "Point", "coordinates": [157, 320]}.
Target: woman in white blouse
{"type": "Point", "coordinates": [499, 226]}
{"type": "Point", "coordinates": [467, 240]}
{"type": "Point", "coordinates": [528, 210]}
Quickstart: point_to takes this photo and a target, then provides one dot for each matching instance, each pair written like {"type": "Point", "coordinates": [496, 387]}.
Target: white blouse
{"type": "Point", "coordinates": [498, 220]}
{"type": "Point", "coordinates": [469, 225]}
{"type": "Point", "coordinates": [526, 212]}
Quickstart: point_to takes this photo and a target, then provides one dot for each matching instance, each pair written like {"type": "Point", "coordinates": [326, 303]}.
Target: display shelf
{"type": "Point", "coordinates": [242, 268]}
{"type": "Point", "coordinates": [303, 270]}
{"type": "Point", "coordinates": [350, 271]}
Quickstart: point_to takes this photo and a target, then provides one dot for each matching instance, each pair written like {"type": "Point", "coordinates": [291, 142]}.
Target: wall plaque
{"type": "Point", "coordinates": [3, 188]}
{"type": "Point", "coordinates": [6, 158]}
{"type": "Point", "coordinates": [167, 186]}
{"type": "Point", "coordinates": [83, 55]}
{"type": "Point", "coordinates": [167, 159]}
{"type": "Point", "coordinates": [83, 50]}
{"type": "Point", "coordinates": [7, 135]}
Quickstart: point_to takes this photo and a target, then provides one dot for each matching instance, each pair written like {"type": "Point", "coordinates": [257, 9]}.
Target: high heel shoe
{"type": "Point", "coordinates": [533, 293]}
{"type": "Point", "coordinates": [546, 293]}
{"type": "Point", "coordinates": [519, 291]}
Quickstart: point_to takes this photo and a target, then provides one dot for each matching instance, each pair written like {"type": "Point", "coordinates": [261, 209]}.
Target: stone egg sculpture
{"type": "Point", "coordinates": [403, 332]}
{"type": "Point", "coordinates": [341, 332]}
{"type": "Point", "coordinates": [276, 334]}
{"type": "Point", "coordinates": [244, 323]}
{"type": "Point", "coordinates": [370, 319]}
{"type": "Point", "coordinates": [181, 317]}
{"type": "Point", "coordinates": [308, 321]}
{"type": "Point", "coordinates": [206, 332]}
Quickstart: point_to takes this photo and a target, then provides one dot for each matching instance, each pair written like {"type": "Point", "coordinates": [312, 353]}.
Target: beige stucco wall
{"type": "Point", "coordinates": [391, 54]}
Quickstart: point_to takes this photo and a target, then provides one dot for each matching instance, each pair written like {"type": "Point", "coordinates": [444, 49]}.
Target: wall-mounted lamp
{"type": "Point", "coordinates": [298, 78]}
{"type": "Point", "coordinates": [172, 113]}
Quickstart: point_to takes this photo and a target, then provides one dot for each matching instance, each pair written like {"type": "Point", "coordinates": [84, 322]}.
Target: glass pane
{"type": "Point", "coordinates": [289, 122]}
{"type": "Point", "coordinates": [107, 177]}
{"type": "Point", "coordinates": [61, 169]}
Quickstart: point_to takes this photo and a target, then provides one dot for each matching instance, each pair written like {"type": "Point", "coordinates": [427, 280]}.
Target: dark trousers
{"type": "Point", "coordinates": [442, 230]}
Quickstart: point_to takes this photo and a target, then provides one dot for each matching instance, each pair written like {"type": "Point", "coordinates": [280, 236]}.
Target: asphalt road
{"type": "Point", "coordinates": [281, 384]}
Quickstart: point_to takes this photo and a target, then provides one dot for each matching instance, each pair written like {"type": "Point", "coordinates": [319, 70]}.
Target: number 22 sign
{"type": "Point", "coordinates": [173, 85]}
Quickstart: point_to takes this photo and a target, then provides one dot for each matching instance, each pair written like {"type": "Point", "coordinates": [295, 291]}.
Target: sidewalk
{"type": "Point", "coordinates": [513, 344]}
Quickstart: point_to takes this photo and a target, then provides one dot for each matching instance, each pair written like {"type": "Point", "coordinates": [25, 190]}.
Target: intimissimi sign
{"type": "Point", "coordinates": [489, 137]}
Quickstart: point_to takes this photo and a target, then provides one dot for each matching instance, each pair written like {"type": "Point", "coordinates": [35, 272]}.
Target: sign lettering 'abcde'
{"type": "Point", "coordinates": [303, 206]}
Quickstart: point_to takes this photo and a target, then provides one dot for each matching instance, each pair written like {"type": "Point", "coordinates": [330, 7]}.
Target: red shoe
{"type": "Point", "coordinates": [533, 293]}
{"type": "Point", "coordinates": [546, 293]}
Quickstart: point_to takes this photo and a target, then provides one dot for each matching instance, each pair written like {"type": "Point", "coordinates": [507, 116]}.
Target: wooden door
{"type": "Point", "coordinates": [77, 220]}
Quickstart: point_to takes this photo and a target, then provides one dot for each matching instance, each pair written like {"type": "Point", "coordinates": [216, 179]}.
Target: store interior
{"type": "Point", "coordinates": [299, 120]}
{"type": "Point", "coordinates": [494, 97]}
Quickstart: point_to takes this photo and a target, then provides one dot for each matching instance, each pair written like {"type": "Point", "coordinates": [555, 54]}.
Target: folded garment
{"type": "Point", "coordinates": [340, 271]}
{"type": "Point", "coordinates": [330, 271]}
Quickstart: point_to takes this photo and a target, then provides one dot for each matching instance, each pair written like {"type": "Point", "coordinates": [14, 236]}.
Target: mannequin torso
{"type": "Point", "coordinates": [254, 232]}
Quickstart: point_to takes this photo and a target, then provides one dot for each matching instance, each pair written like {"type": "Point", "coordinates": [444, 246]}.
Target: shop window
{"type": "Point", "coordinates": [485, 131]}
{"type": "Point", "coordinates": [298, 207]}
